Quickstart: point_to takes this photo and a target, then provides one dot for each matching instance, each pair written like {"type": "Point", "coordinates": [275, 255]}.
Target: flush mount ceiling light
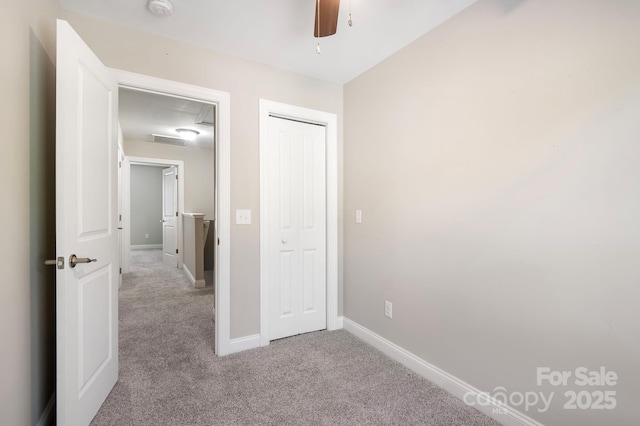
{"type": "Point", "coordinates": [188, 134]}
{"type": "Point", "coordinates": [161, 7]}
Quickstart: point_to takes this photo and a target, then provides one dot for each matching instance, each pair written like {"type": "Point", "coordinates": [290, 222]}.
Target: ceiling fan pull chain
{"type": "Point", "coordinates": [318, 51]}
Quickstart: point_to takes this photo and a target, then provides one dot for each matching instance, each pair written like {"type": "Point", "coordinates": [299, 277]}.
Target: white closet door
{"type": "Point", "coordinates": [297, 228]}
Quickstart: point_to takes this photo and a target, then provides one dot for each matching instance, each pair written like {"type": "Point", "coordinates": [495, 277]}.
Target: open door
{"type": "Point", "coordinates": [170, 216]}
{"type": "Point", "coordinates": [86, 227]}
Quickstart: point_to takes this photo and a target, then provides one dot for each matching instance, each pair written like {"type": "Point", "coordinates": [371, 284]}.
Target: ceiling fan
{"type": "Point", "coordinates": [326, 22]}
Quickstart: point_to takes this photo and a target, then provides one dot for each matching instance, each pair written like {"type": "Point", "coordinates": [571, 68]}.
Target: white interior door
{"type": "Point", "coordinates": [170, 216]}
{"type": "Point", "coordinates": [297, 228]}
{"type": "Point", "coordinates": [86, 226]}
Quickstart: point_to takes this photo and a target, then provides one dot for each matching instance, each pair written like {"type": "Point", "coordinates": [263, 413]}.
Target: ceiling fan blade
{"type": "Point", "coordinates": [328, 19]}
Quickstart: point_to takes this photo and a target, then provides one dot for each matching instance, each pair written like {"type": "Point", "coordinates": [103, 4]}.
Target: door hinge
{"type": "Point", "coordinates": [120, 217]}
{"type": "Point", "coordinates": [120, 164]}
{"type": "Point", "coordinates": [176, 251]}
{"type": "Point", "coordinates": [176, 214]}
{"type": "Point", "coordinates": [218, 241]}
{"type": "Point", "coordinates": [120, 271]}
{"type": "Point", "coordinates": [176, 177]}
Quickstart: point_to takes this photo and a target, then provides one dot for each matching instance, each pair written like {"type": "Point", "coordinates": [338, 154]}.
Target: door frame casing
{"type": "Point", "coordinates": [330, 121]}
{"type": "Point", "coordinates": [222, 186]}
{"type": "Point", "coordinates": [126, 202]}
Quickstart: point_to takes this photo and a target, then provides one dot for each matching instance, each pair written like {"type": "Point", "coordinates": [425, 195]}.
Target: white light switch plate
{"type": "Point", "coordinates": [358, 216]}
{"type": "Point", "coordinates": [243, 217]}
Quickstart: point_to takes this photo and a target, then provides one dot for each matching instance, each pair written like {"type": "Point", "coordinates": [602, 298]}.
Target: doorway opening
{"type": "Point", "coordinates": [169, 179]}
{"type": "Point", "coordinates": [213, 184]}
{"type": "Point", "coordinates": [144, 208]}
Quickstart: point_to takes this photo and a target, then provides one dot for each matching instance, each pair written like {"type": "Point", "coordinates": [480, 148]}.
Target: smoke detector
{"type": "Point", "coordinates": [161, 7]}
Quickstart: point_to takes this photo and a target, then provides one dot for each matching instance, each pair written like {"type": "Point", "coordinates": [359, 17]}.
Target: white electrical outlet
{"type": "Point", "coordinates": [146, 236]}
{"type": "Point", "coordinates": [358, 216]}
{"type": "Point", "coordinates": [388, 309]}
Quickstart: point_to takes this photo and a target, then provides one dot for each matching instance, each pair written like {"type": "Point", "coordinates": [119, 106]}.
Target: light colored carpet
{"type": "Point", "coordinates": [170, 376]}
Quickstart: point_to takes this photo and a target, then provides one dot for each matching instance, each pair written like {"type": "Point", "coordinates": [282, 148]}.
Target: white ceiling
{"type": "Point", "coordinates": [142, 114]}
{"type": "Point", "coordinates": [280, 32]}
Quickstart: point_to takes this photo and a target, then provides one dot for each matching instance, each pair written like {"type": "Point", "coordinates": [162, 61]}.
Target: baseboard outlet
{"type": "Point", "coordinates": [244, 343]}
{"type": "Point", "coordinates": [47, 417]}
{"type": "Point", "coordinates": [146, 247]}
{"type": "Point", "coordinates": [506, 416]}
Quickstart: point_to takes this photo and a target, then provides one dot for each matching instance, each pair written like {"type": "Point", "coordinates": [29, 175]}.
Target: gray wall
{"type": "Point", "coordinates": [499, 188]}
{"type": "Point", "coordinates": [27, 289]}
{"type": "Point", "coordinates": [146, 205]}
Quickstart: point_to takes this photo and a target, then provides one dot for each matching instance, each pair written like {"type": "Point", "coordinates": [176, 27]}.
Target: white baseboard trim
{"type": "Point", "coordinates": [340, 323]}
{"type": "Point", "coordinates": [146, 246]}
{"type": "Point", "coordinates": [455, 386]}
{"type": "Point", "coordinates": [244, 343]}
{"type": "Point", "coordinates": [196, 283]}
{"type": "Point", "coordinates": [46, 419]}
